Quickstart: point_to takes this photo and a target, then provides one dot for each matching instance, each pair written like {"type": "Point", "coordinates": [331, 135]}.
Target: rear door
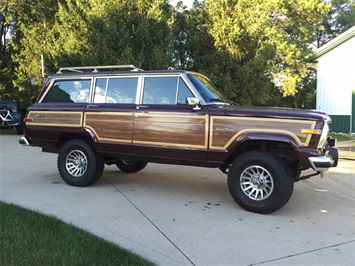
{"type": "Point", "coordinates": [110, 115]}
{"type": "Point", "coordinates": [165, 126]}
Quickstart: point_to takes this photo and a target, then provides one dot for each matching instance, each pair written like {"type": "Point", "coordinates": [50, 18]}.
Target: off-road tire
{"type": "Point", "coordinates": [78, 164]}
{"type": "Point", "coordinates": [130, 166]}
{"type": "Point", "coordinates": [260, 182]}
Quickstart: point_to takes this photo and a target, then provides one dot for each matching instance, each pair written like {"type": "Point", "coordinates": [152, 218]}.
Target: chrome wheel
{"type": "Point", "coordinates": [256, 183]}
{"type": "Point", "coordinates": [76, 163]}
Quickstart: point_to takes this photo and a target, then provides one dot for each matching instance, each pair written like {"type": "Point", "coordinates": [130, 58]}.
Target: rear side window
{"type": "Point", "coordinates": [69, 91]}
{"type": "Point", "coordinates": [116, 90]}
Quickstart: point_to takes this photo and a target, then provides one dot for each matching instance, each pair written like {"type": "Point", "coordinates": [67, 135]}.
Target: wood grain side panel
{"type": "Point", "coordinates": [55, 118]}
{"type": "Point", "coordinates": [116, 127]}
{"type": "Point", "coordinates": [171, 130]}
{"type": "Point", "coordinates": [224, 130]}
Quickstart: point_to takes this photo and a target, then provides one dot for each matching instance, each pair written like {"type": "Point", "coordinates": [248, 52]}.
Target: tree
{"type": "Point", "coordinates": [192, 44]}
{"type": "Point", "coordinates": [7, 66]}
{"type": "Point", "coordinates": [111, 32]}
{"type": "Point", "coordinates": [339, 18]}
{"type": "Point", "coordinates": [74, 33]}
{"type": "Point", "coordinates": [253, 49]}
{"type": "Point", "coordinates": [25, 39]}
{"type": "Point", "coordinates": [266, 39]}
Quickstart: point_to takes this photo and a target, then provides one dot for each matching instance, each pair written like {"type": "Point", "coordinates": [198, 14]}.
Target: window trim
{"type": "Point", "coordinates": [107, 77]}
{"type": "Point", "coordinates": [178, 76]}
{"type": "Point", "coordinates": [140, 85]}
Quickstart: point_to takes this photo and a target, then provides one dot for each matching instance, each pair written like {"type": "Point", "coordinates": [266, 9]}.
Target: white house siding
{"type": "Point", "coordinates": [336, 83]}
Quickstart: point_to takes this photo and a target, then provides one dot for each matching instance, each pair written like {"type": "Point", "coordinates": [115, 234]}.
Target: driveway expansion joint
{"type": "Point", "coordinates": [150, 221]}
{"type": "Point", "coordinates": [302, 253]}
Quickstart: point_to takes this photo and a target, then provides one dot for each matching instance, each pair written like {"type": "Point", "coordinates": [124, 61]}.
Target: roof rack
{"type": "Point", "coordinates": [96, 68]}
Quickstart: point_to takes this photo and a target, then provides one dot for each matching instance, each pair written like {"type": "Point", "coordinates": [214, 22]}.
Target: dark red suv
{"type": "Point", "coordinates": [92, 116]}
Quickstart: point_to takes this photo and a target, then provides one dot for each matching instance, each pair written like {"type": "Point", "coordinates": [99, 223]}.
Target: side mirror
{"type": "Point", "coordinates": [194, 101]}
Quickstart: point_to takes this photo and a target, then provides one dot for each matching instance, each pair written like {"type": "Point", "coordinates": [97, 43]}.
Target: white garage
{"type": "Point", "coordinates": [336, 81]}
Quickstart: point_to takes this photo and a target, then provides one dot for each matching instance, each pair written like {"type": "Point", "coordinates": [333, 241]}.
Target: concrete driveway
{"type": "Point", "coordinates": [177, 215]}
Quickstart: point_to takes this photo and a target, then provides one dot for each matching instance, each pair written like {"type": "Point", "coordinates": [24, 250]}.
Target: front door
{"type": "Point", "coordinates": [165, 126]}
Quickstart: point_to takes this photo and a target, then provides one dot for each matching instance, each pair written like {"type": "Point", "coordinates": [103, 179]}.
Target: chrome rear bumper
{"type": "Point", "coordinates": [24, 141]}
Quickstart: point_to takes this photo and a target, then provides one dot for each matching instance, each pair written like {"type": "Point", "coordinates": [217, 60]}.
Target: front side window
{"type": "Point", "coordinates": [165, 90]}
{"type": "Point", "coordinates": [160, 90]}
{"type": "Point", "coordinates": [116, 90]}
{"type": "Point", "coordinates": [69, 91]}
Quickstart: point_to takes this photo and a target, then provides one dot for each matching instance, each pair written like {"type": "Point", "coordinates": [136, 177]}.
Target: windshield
{"type": "Point", "coordinates": [206, 89]}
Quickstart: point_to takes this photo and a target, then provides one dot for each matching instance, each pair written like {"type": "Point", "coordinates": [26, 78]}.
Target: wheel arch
{"type": "Point", "coordinates": [84, 135]}
{"type": "Point", "coordinates": [283, 145]}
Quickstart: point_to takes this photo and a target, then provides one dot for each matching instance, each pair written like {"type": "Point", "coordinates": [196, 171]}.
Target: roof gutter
{"type": "Point", "coordinates": [345, 36]}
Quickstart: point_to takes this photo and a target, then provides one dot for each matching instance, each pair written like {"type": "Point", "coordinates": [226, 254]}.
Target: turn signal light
{"type": "Point", "coordinates": [311, 131]}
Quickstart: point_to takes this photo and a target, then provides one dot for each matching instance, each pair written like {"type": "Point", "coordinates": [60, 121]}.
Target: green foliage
{"type": "Point", "coordinates": [192, 44]}
{"type": "Point", "coordinates": [195, 49]}
{"type": "Point", "coordinates": [339, 18]}
{"type": "Point", "coordinates": [5, 52]}
{"type": "Point", "coordinates": [111, 32]}
{"type": "Point", "coordinates": [75, 33]}
{"type": "Point", "coordinates": [252, 49]}
{"type": "Point", "coordinates": [267, 39]}
{"type": "Point", "coordinates": [30, 238]}
{"type": "Point", "coordinates": [26, 22]}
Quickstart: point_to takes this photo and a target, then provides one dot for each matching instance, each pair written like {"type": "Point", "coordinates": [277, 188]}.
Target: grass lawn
{"type": "Point", "coordinates": [30, 238]}
{"type": "Point", "coordinates": [341, 137]}
{"type": "Point", "coordinates": [7, 131]}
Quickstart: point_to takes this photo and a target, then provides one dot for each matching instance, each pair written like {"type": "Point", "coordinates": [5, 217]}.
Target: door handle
{"type": "Point", "coordinates": [142, 107]}
{"type": "Point", "coordinates": [92, 106]}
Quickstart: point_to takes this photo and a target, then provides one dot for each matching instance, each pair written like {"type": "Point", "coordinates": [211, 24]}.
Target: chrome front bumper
{"type": "Point", "coordinates": [323, 163]}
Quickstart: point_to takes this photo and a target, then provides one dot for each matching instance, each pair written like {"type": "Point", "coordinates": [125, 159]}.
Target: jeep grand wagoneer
{"type": "Point", "coordinates": [92, 116]}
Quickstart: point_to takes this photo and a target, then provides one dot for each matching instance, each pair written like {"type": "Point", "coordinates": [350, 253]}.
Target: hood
{"type": "Point", "coordinates": [275, 112]}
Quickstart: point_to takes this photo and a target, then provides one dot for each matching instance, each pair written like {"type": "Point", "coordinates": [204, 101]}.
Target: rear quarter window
{"type": "Point", "coordinates": [69, 91]}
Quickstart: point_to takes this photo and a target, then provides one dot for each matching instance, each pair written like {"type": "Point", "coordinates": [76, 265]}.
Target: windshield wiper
{"type": "Point", "coordinates": [215, 100]}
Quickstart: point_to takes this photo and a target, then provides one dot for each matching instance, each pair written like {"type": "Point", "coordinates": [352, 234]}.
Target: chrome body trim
{"type": "Point", "coordinates": [325, 134]}
{"type": "Point", "coordinates": [91, 133]}
{"type": "Point", "coordinates": [23, 141]}
{"type": "Point", "coordinates": [321, 163]}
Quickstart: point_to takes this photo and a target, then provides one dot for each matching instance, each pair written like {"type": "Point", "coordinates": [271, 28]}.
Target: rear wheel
{"type": "Point", "coordinates": [130, 166]}
{"type": "Point", "coordinates": [260, 182]}
{"type": "Point", "coordinates": [78, 164]}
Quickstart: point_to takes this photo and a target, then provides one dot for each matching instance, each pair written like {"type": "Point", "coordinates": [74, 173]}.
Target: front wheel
{"type": "Point", "coordinates": [130, 166]}
{"type": "Point", "coordinates": [260, 182]}
{"type": "Point", "coordinates": [78, 164]}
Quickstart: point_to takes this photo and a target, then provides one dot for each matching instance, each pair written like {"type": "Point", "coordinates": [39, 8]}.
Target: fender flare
{"type": "Point", "coordinates": [263, 135]}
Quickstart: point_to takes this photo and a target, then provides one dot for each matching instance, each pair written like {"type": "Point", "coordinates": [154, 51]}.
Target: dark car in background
{"type": "Point", "coordinates": [10, 116]}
